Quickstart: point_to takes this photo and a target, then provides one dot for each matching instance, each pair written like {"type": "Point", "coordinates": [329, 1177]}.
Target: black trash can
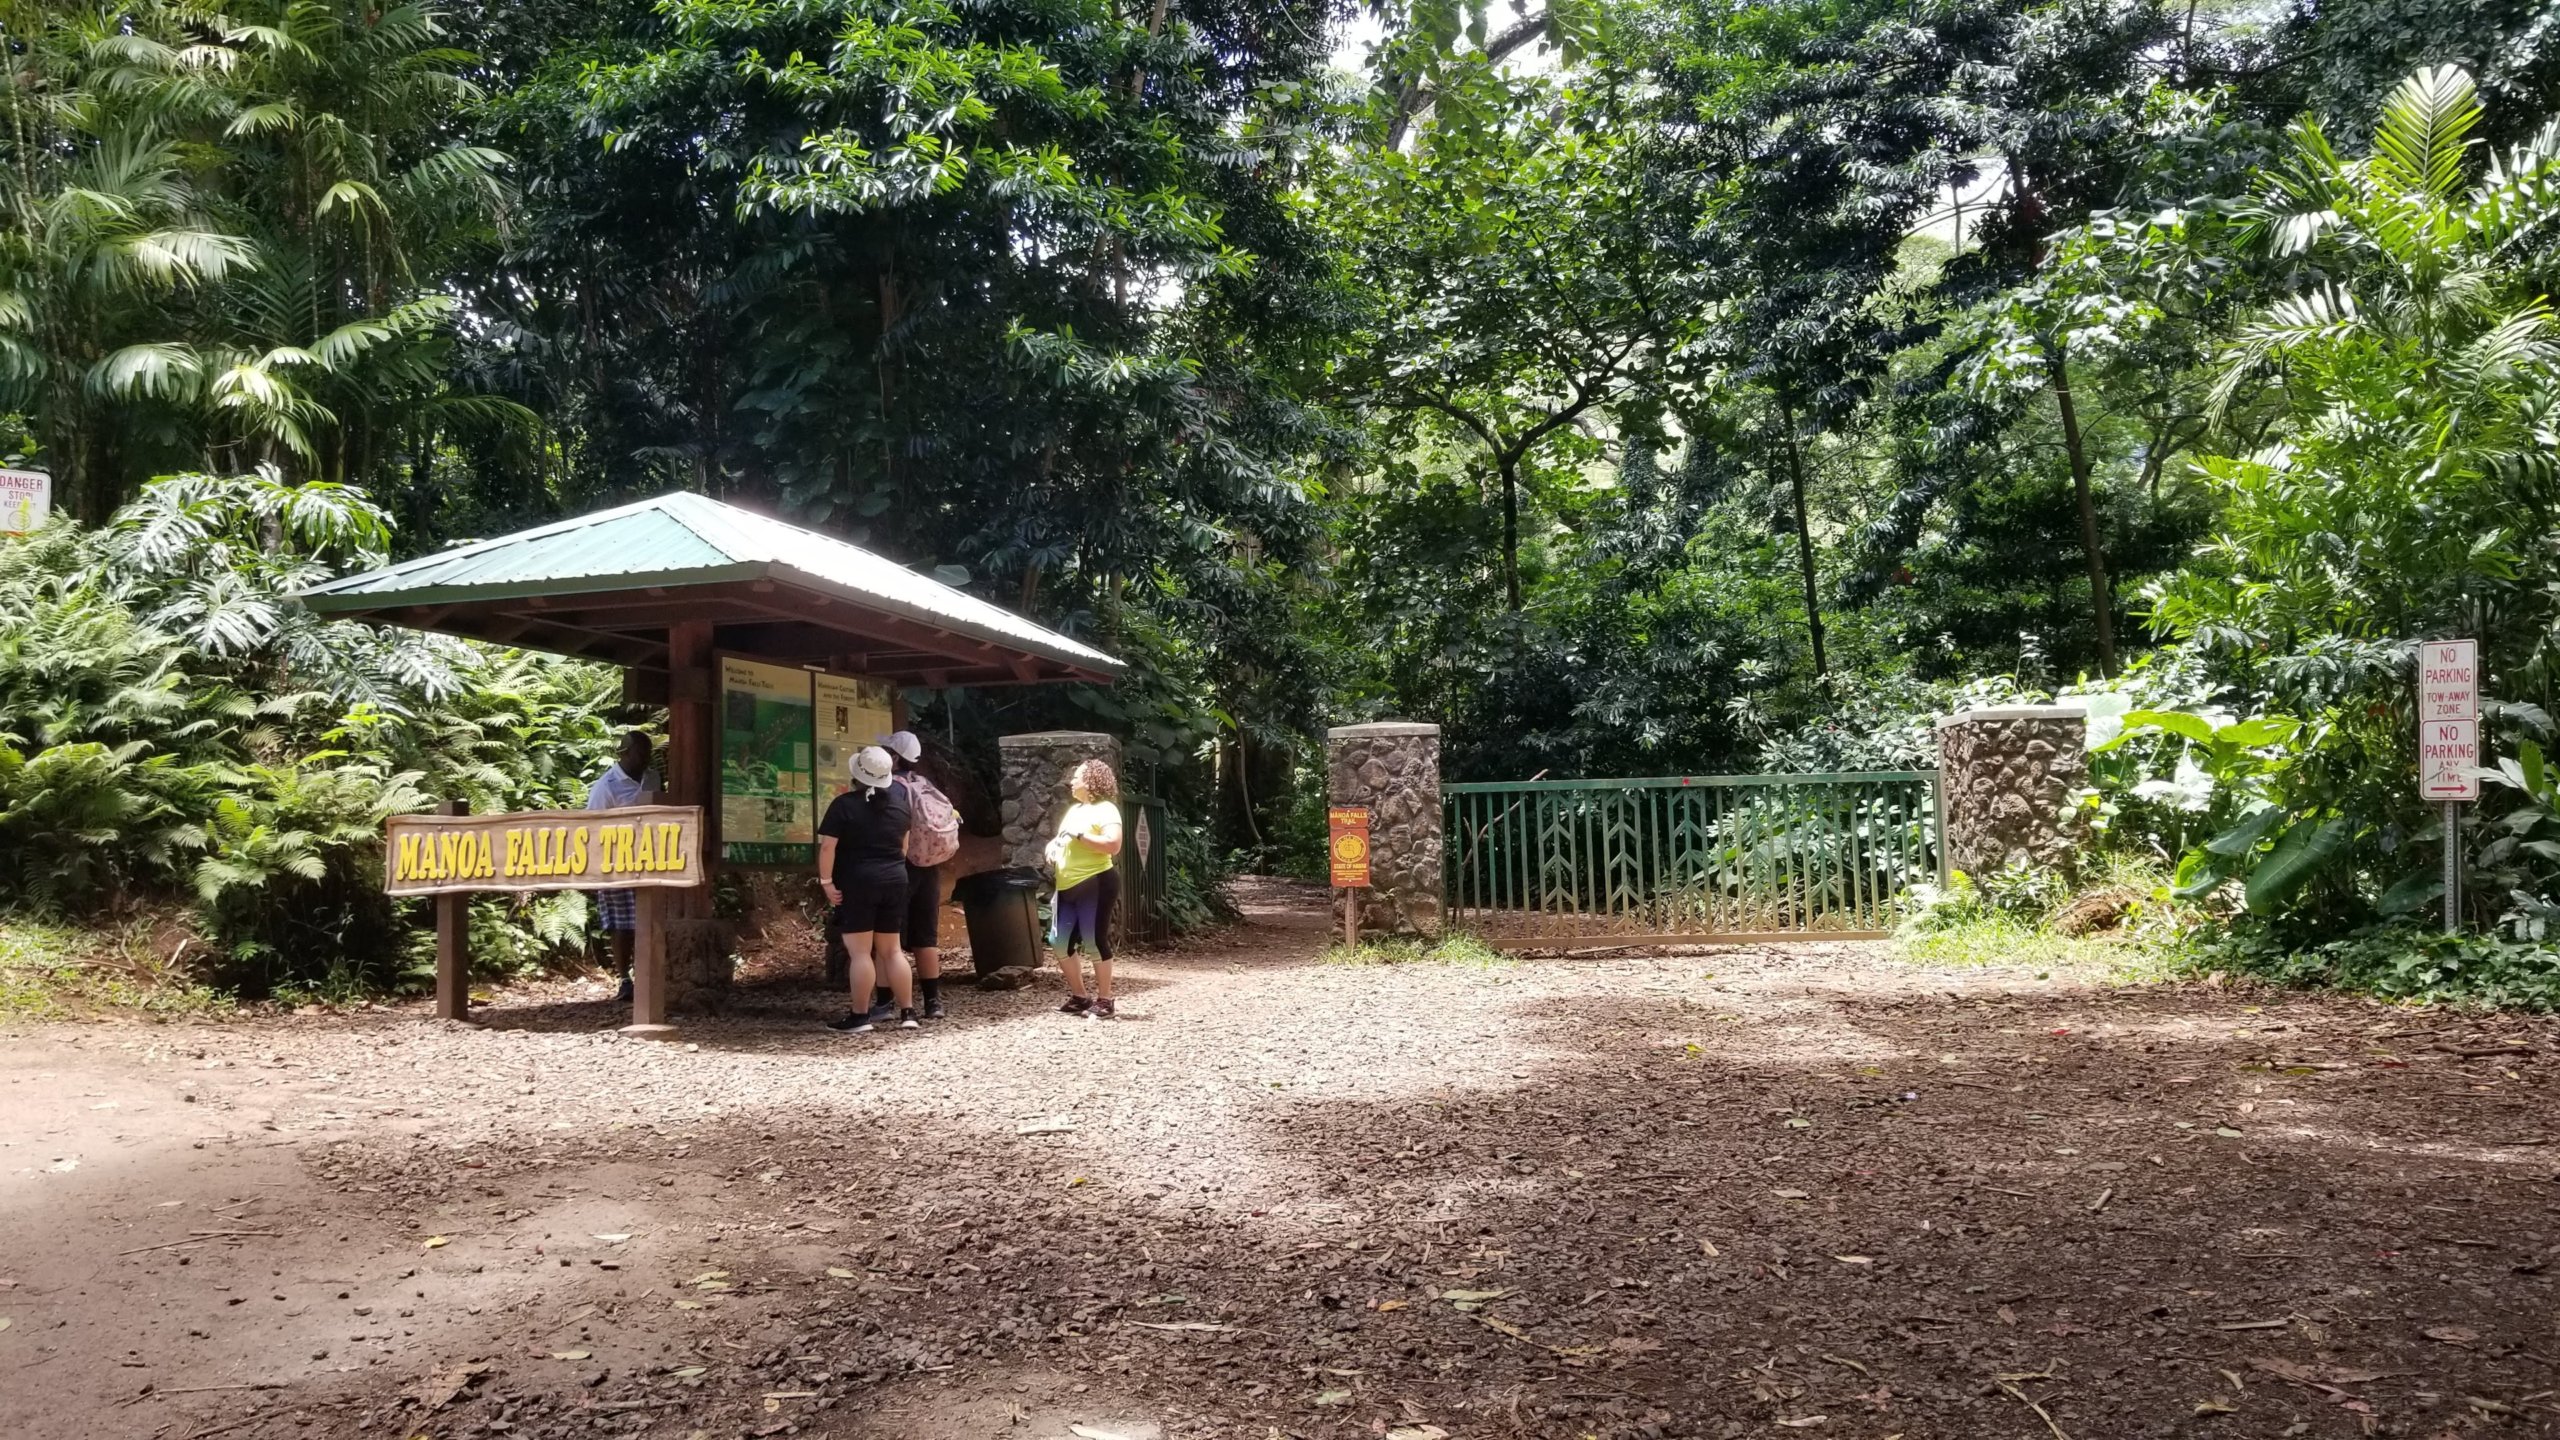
{"type": "Point", "coordinates": [1003, 911]}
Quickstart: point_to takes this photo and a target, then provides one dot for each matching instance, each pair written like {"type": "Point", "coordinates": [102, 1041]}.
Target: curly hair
{"type": "Point", "coordinates": [1096, 777]}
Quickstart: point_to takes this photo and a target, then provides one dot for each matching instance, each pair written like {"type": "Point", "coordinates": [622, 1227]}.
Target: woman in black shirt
{"type": "Point", "coordinates": [862, 865]}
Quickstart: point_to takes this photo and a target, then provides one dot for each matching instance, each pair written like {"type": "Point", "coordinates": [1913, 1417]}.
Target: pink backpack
{"type": "Point", "coordinates": [933, 836]}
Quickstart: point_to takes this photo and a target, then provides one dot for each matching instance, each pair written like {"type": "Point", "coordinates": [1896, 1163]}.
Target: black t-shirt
{"type": "Point", "coordinates": [870, 835]}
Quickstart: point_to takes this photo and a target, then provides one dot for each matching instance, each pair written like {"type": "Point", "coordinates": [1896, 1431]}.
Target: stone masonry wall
{"type": "Point", "coordinates": [1033, 785]}
{"type": "Point", "coordinates": [1394, 769]}
{"type": "Point", "coordinates": [2007, 772]}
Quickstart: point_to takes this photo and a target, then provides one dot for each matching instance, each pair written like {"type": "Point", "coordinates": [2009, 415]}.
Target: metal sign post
{"type": "Point", "coordinates": [1348, 847]}
{"type": "Point", "coordinates": [2449, 748]}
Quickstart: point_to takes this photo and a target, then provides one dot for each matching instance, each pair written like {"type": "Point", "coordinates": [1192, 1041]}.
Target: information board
{"type": "Point", "coordinates": [768, 756]}
{"type": "Point", "coordinates": [26, 501]}
{"type": "Point", "coordinates": [851, 714]}
{"type": "Point", "coordinates": [2449, 720]}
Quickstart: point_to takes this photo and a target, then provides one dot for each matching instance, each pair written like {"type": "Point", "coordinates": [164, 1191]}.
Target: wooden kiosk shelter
{"type": "Point", "coordinates": [730, 619]}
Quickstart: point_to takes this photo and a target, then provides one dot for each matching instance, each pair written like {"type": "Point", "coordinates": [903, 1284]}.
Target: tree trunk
{"type": "Point", "coordinates": [1510, 531]}
{"type": "Point", "coordinates": [2101, 599]}
{"type": "Point", "coordinates": [1804, 538]}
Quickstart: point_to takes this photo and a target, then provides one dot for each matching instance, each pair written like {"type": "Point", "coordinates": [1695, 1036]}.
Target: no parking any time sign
{"type": "Point", "coordinates": [2449, 720]}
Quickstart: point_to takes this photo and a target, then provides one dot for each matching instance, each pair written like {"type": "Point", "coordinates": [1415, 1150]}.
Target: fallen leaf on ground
{"type": "Point", "coordinates": [1708, 1249]}
{"type": "Point", "coordinates": [437, 1241]}
{"type": "Point", "coordinates": [1386, 1305]}
{"type": "Point", "coordinates": [613, 1239]}
{"type": "Point", "coordinates": [2450, 1334]}
{"type": "Point", "coordinates": [841, 1273]}
{"type": "Point", "coordinates": [1045, 1127]}
{"type": "Point", "coordinates": [2216, 1407]}
{"type": "Point", "coordinates": [2252, 1324]}
{"type": "Point", "coordinates": [1417, 1432]}
{"type": "Point", "coordinates": [1180, 1325]}
{"type": "Point", "coordinates": [1096, 1432]}
{"type": "Point", "coordinates": [1855, 1259]}
{"type": "Point", "coordinates": [691, 1305]}
{"type": "Point", "coordinates": [1334, 1397]}
{"type": "Point", "coordinates": [573, 1354]}
{"type": "Point", "coordinates": [437, 1388]}
{"type": "Point", "coordinates": [1791, 1195]}
{"type": "Point", "coordinates": [1505, 1326]}
{"type": "Point", "coordinates": [688, 1370]}
{"type": "Point", "coordinates": [1807, 1423]}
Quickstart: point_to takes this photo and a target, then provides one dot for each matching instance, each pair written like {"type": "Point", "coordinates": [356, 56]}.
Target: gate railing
{"type": "Point", "coordinates": [1687, 858]}
{"type": "Point", "coordinates": [1144, 864]}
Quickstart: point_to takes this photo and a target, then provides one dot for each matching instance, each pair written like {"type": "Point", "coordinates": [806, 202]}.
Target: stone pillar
{"type": "Point", "coordinates": [1394, 769]}
{"type": "Point", "coordinates": [1033, 784]}
{"type": "Point", "coordinates": [2007, 772]}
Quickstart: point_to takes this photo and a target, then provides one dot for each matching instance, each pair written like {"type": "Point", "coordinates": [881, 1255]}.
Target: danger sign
{"type": "Point", "coordinates": [2449, 719]}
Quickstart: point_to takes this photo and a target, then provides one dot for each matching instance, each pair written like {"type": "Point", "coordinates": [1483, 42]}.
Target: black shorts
{"type": "Point", "coordinates": [871, 907]}
{"type": "Point", "coordinates": [923, 930]}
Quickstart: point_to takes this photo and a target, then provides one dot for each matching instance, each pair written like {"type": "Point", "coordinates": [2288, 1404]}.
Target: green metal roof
{"type": "Point", "coordinates": [683, 540]}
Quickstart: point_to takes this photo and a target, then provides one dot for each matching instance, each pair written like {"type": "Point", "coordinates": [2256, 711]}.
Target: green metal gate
{"type": "Point", "coordinates": [1687, 858]}
{"type": "Point", "coordinates": [1144, 863]}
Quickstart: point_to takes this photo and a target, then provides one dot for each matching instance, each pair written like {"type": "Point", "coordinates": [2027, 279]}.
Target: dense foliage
{"type": "Point", "coordinates": [1670, 386]}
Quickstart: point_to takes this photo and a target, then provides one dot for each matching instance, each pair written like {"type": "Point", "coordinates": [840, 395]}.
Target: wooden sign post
{"type": "Point", "coordinates": [648, 848]}
{"type": "Point", "coordinates": [2449, 748]}
{"type": "Point", "coordinates": [1347, 844]}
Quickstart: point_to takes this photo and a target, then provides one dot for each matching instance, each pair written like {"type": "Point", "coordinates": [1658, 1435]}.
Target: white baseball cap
{"type": "Point", "coordinates": [871, 768]}
{"type": "Point", "coordinates": [905, 746]}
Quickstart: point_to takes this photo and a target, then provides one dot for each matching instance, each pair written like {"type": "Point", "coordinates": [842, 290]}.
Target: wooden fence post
{"type": "Point", "coordinates": [453, 943]}
{"type": "Point", "coordinates": [649, 964]}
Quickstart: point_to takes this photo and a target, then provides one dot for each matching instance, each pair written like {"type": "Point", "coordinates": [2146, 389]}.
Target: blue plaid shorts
{"type": "Point", "coordinates": [618, 909]}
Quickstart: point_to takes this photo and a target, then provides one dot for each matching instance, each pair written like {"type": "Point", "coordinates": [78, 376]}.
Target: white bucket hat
{"type": "Point", "coordinates": [905, 746]}
{"type": "Point", "coordinates": [871, 768]}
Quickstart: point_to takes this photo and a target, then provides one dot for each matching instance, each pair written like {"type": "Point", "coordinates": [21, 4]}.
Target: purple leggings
{"type": "Point", "coordinates": [1086, 911]}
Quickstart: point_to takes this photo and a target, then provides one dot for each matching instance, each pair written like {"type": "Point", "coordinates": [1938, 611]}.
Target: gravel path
{"type": "Point", "coordinates": [1739, 1193]}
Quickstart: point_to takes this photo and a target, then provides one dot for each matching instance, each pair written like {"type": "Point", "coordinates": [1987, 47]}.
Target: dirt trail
{"type": "Point", "coordinates": [1754, 1192]}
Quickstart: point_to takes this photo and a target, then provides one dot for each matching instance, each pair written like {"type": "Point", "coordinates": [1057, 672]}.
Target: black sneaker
{"type": "Point", "coordinates": [907, 1019]}
{"type": "Point", "coordinates": [933, 1008]}
{"type": "Point", "coordinates": [854, 1023]}
{"type": "Point", "coordinates": [883, 1014]}
{"type": "Point", "coordinates": [624, 994]}
{"type": "Point", "coordinates": [1076, 1005]}
{"type": "Point", "coordinates": [1104, 1009]}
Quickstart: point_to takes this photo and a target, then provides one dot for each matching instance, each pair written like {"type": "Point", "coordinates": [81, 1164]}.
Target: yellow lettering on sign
{"type": "Point", "coordinates": [647, 858]}
{"type": "Point", "coordinates": [515, 852]}
{"type": "Point", "coordinates": [578, 850]}
{"type": "Point", "coordinates": [624, 851]}
{"type": "Point", "coordinates": [671, 845]}
{"type": "Point", "coordinates": [488, 861]}
{"type": "Point", "coordinates": [407, 863]}
{"type": "Point", "coordinates": [442, 865]}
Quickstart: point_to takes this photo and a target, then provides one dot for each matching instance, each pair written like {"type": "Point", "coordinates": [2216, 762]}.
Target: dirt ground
{"type": "Point", "coordinates": [1812, 1190]}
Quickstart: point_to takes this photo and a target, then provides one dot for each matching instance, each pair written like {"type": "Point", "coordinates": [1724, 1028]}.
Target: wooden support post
{"type": "Point", "coordinates": [693, 751]}
{"type": "Point", "coordinates": [649, 965]}
{"type": "Point", "coordinates": [453, 943]}
{"type": "Point", "coordinates": [1350, 917]}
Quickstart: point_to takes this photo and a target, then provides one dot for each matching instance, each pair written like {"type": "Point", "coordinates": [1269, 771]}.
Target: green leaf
{"type": "Point", "coordinates": [2300, 853]}
{"type": "Point", "coordinates": [2242, 838]}
{"type": "Point", "coordinates": [2176, 722]}
{"type": "Point", "coordinates": [2537, 782]}
{"type": "Point", "coordinates": [2264, 730]}
{"type": "Point", "coordinates": [2409, 892]}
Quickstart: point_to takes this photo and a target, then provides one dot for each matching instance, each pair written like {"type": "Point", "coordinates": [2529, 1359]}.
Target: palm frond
{"type": "Point", "coordinates": [2423, 134]}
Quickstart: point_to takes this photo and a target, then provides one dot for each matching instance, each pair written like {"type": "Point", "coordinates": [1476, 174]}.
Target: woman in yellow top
{"type": "Point", "coordinates": [1088, 886]}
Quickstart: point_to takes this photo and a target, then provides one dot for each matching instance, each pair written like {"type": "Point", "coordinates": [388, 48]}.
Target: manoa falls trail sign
{"type": "Point", "coordinates": [631, 848]}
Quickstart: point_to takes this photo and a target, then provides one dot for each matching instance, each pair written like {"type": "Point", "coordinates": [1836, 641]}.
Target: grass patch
{"type": "Point", "coordinates": [1999, 939]}
{"type": "Point", "coordinates": [51, 971]}
{"type": "Point", "coordinates": [1452, 949]}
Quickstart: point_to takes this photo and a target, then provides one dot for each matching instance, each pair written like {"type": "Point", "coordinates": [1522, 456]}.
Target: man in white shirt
{"type": "Point", "coordinates": [628, 781]}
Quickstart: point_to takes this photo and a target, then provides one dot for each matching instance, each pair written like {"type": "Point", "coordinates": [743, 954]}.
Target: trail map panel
{"type": "Point", "coordinates": [768, 754]}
